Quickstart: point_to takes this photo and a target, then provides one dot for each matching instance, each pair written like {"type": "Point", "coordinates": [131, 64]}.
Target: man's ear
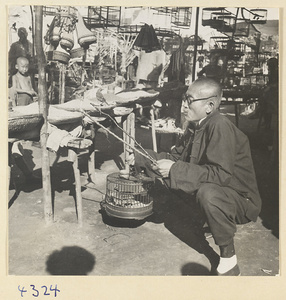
{"type": "Point", "coordinates": [210, 107]}
{"type": "Point", "coordinates": [16, 66]}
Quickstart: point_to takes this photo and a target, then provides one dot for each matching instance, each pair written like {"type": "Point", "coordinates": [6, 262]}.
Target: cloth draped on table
{"type": "Point", "coordinates": [60, 138]}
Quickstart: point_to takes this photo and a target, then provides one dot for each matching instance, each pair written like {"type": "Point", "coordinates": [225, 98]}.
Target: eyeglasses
{"type": "Point", "coordinates": [190, 99]}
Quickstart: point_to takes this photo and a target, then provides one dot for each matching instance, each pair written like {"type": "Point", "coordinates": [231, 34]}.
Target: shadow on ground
{"type": "Point", "coordinates": [70, 261]}
{"type": "Point", "coordinates": [194, 269]}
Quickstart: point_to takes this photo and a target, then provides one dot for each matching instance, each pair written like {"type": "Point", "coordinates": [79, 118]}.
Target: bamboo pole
{"type": "Point", "coordinates": [43, 107]}
{"type": "Point", "coordinates": [195, 44]}
{"type": "Point", "coordinates": [73, 157]}
{"type": "Point", "coordinates": [63, 83]}
{"type": "Point", "coordinates": [154, 141]}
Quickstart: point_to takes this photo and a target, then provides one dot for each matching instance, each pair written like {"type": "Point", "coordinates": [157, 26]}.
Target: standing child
{"type": "Point", "coordinates": [23, 91]}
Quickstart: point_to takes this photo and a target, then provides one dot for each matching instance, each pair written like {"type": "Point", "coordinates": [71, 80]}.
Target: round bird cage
{"type": "Point", "coordinates": [258, 16]}
{"type": "Point", "coordinates": [128, 198]}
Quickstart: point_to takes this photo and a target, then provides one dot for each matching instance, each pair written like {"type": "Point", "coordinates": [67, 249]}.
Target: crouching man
{"type": "Point", "coordinates": [213, 163]}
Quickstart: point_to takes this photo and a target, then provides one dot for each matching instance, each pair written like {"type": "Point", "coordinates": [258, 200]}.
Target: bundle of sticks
{"type": "Point", "coordinates": [142, 151]}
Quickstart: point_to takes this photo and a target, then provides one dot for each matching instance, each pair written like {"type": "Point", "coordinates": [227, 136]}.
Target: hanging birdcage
{"type": "Point", "coordinates": [239, 46]}
{"type": "Point", "coordinates": [241, 28]}
{"type": "Point", "coordinates": [258, 16]}
{"type": "Point", "coordinates": [103, 16]}
{"type": "Point", "coordinates": [223, 21]}
{"type": "Point", "coordinates": [59, 10]}
{"type": "Point", "coordinates": [182, 16]}
{"type": "Point", "coordinates": [219, 42]}
{"type": "Point", "coordinates": [128, 198]}
{"type": "Point", "coordinates": [228, 22]}
{"type": "Point", "coordinates": [67, 11]}
{"type": "Point", "coordinates": [209, 17]}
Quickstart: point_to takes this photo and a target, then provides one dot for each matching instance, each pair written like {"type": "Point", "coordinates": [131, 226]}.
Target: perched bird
{"type": "Point", "coordinates": [100, 97]}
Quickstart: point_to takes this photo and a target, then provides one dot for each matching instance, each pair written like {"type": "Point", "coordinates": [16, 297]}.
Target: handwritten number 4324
{"type": "Point", "coordinates": [36, 293]}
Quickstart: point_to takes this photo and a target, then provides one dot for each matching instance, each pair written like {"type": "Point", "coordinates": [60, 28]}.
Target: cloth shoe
{"type": "Point", "coordinates": [235, 271]}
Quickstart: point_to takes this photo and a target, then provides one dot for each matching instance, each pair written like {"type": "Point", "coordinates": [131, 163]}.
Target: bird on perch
{"type": "Point", "coordinates": [100, 97]}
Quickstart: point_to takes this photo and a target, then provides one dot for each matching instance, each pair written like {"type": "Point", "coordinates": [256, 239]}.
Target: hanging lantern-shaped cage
{"type": "Point", "coordinates": [77, 51]}
{"type": "Point", "coordinates": [61, 55]}
{"type": "Point", "coordinates": [182, 16]}
{"type": "Point", "coordinates": [258, 16]}
{"type": "Point", "coordinates": [68, 26]}
{"type": "Point", "coordinates": [55, 33]}
{"type": "Point", "coordinates": [67, 41]}
{"type": "Point", "coordinates": [85, 36]}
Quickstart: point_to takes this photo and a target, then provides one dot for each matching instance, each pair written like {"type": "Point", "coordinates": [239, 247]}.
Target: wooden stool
{"type": "Point", "coordinates": [75, 148]}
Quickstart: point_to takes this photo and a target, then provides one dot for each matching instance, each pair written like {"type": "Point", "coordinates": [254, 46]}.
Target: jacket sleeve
{"type": "Point", "coordinates": [217, 149]}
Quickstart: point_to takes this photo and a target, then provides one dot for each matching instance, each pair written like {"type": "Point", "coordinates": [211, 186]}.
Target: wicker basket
{"type": "Point", "coordinates": [128, 199]}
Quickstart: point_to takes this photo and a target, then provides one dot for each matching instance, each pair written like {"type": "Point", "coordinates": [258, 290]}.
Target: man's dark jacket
{"type": "Point", "coordinates": [220, 154]}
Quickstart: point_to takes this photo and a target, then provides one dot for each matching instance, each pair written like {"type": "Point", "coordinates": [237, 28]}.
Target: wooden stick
{"type": "Point", "coordinates": [120, 139]}
{"type": "Point", "coordinates": [153, 129]}
{"type": "Point", "coordinates": [43, 107]}
{"type": "Point", "coordinates": [73, 157]}
{"type": "Point", "coordinates": [131, 136]}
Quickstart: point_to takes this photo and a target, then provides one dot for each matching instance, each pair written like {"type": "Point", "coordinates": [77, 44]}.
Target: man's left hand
{"type": "Point", "coordinates": [164, 166]}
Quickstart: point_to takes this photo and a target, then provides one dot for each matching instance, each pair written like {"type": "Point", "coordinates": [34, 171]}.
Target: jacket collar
{"type": "Point", "coordinates": [201, 124]}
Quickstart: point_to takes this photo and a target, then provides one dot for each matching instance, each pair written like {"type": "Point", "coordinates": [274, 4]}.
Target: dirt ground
{"type": "Point", "coordinates": [169, 242]}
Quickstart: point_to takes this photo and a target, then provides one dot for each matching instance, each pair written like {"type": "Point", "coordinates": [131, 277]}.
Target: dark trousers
{"type": "Point", "coordinates": [222, 207]}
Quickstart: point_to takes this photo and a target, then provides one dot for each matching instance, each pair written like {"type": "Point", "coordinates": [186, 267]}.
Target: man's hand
{"type": "Point", "coordinates": [164, 166]}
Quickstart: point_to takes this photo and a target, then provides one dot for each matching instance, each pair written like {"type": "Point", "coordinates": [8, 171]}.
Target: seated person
{"type": "Point", "coordinates": [212, 70]}
{"type": "Point", "coordinates": [22, 90]}
{"type": "Point", "coordinates": [213, 163]}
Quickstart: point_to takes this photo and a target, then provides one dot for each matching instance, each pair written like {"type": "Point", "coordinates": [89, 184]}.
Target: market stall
{"type": "Point", "coordinates": [99, 67]}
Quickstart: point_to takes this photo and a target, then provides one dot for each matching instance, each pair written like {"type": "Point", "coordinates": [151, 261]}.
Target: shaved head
{"type": "Point", "coordinates": [22, 60]}
{"type": "Point", "coordinates": [206, 87]}
{"type": "Point", "coordinates": [201, 99]}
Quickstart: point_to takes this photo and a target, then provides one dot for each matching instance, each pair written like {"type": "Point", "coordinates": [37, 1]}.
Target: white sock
{"type": "Point", "coordinates": [226, 263]}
